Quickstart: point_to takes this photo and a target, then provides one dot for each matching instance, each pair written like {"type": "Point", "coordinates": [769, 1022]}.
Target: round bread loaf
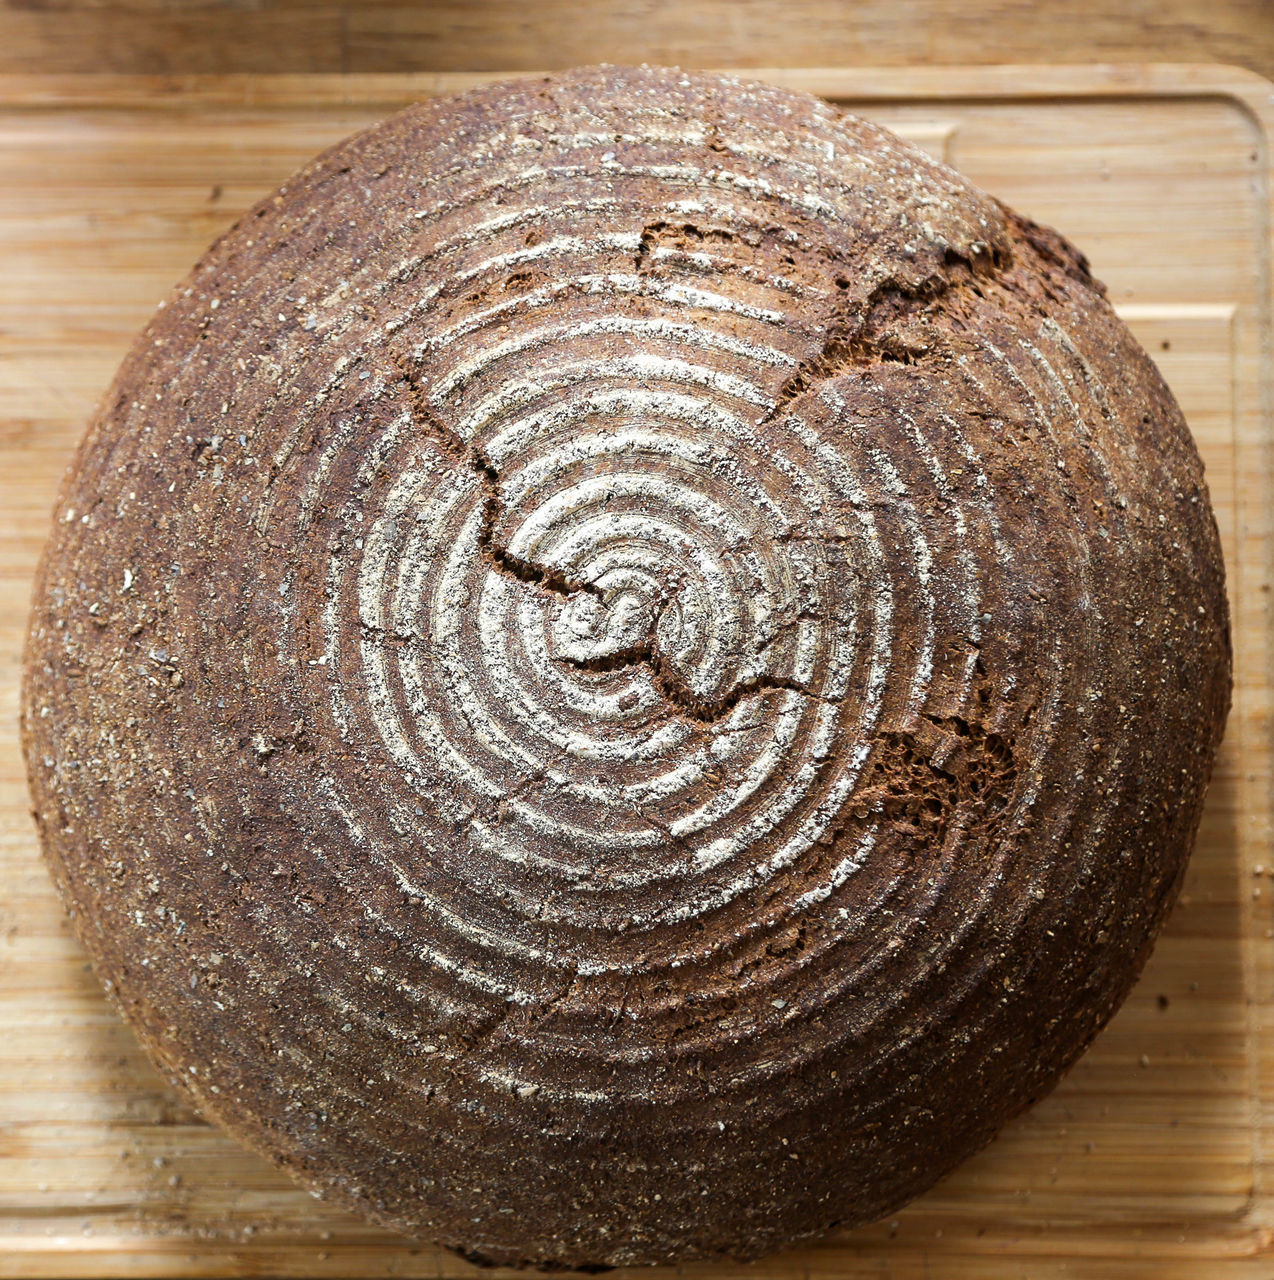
{"type": "Point", "coordinates": [627, 670]}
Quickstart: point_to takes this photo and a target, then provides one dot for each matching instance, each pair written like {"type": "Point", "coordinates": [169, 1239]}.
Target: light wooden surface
{"type": "Point", "coordinates": [499, 35]}
{"type": "Point", "coordinates": [1152, 1158]}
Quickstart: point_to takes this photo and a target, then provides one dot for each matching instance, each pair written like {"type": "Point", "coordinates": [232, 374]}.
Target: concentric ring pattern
{"type": "Point", "coordinates": [628, 668]}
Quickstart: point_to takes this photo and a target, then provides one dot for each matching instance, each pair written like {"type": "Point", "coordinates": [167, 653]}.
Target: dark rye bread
{"type": "Point", "coordinates": [626, 671]}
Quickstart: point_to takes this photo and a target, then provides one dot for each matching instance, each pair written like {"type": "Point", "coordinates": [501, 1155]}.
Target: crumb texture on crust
{"type": "Point", "coordinates": [628, 668]}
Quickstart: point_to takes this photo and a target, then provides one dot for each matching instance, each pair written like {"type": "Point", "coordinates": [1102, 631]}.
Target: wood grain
{"type": "Point", "coordinates": [157, 36]}
{"type": "Point", "coordinates": [1150, 1160]}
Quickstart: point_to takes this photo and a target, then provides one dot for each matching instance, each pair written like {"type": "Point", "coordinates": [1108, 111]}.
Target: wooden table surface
{"type": "Point", "coordinates": [163, 36]}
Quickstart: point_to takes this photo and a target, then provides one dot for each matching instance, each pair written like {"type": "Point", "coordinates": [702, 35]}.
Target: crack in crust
{"type": "Point", "coordinates": [674, 689]}
{"type": "Point", "coordinates": [874, 331]}
{"type": "Point", "coordinates": [870, 332]}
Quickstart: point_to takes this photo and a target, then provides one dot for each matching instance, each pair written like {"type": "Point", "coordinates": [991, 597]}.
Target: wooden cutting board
{"type": "Point", "coordinates": [1152, 1159]}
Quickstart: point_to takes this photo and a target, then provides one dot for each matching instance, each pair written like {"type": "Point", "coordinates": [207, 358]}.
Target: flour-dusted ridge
{"type": "Point", "coordinates": [627, 670]}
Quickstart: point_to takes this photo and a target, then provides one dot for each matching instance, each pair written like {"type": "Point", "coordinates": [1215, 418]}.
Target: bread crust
{"type": "Point", "coordinates": [628, 669]}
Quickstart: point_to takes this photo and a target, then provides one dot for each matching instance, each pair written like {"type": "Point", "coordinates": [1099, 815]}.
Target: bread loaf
{"type": "Point", "coordinates": [627, 670]}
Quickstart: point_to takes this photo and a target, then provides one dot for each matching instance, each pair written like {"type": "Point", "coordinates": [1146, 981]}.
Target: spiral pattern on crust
{"type": "Point", "coordinates": [627, 670]}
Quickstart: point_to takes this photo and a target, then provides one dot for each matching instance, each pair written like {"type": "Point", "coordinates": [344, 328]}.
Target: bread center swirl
{"type": "Point", "coordinates": [619, 619]}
